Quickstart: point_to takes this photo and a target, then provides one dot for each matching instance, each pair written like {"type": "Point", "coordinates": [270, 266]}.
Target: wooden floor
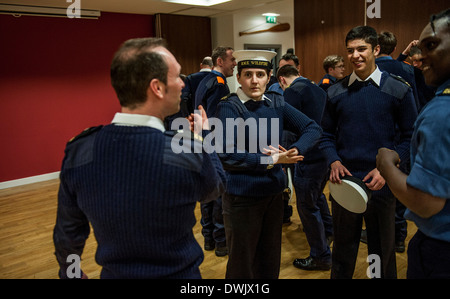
{"type": "Point", "coordinates": [27, 217]}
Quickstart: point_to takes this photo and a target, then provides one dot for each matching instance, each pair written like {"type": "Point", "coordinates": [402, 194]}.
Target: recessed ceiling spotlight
{"type": "Point", "coordinates": [197, 2]}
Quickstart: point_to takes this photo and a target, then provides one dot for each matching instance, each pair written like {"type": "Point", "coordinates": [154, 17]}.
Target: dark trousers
{"type": "Point", "coordinates": [401, 226]}
{"type": "Point", "coordinates": [309, 181]}
{"type": "Point", "coordinates": [428, 258]}
{"type": "Point", "coordinates": [213, 229]}
{"type": "Point", "coordinates": [253, 227]}
{"type": "Point", "coordinates": [380, 227]}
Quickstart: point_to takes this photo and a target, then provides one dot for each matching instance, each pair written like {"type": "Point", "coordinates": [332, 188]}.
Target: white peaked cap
{"type": "Point", "coordinates": [254, 58]}
{"type": "Point", "coordinates": [254, 55]}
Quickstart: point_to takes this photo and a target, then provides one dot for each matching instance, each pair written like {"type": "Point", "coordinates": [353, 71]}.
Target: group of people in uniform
{"type": "Point", "coordinates": [139, 196]}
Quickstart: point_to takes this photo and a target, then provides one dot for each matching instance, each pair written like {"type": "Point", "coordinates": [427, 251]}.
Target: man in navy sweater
{"type": "Point", "coordinates": [425, 191]}
{"type": "Point", "coordinates": [214, 86]}
{"type": "Point", "coordinates": [364, 111]}
{"type": "Point", "coordinates": [310, 175]}
{"type": "Point", "coordinates": [193, 80]}
{"type": "Point", "coordinates": [126, 181]}
{"type": "Point", "coordinates": [253, 203]}
{"type": "Point", "coordinates": [385, 62]}
{"type": "Point", "coordinates": [210, 91]}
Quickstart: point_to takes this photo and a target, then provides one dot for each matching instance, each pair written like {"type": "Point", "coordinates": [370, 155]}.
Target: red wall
{"type": "Point", "coordinates": [54, 82]}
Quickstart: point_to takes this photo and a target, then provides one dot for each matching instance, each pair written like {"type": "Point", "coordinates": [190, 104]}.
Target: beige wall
{"type": "Point", "coordinates": [225, 29]}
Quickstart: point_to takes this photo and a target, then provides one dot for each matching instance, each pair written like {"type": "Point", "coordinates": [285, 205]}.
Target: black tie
{"type": "Point", "coordinates": [252, 105]}
{"type": "Point", "coordinates": [360, 84]}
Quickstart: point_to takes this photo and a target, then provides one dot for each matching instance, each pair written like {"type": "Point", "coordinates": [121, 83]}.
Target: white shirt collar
{"type": "Point", "coordinates": [205, 70]}
{"type": "Point", "coordinates": [244, 98]}
{"type": "Point", "coordinates": [138, 120]}
{"type": "Point", "coordinates": [375, 76]}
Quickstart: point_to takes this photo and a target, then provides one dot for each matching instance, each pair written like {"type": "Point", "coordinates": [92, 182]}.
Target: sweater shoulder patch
{"type": "Point", "coordinates": [79, 150]}
{"type": "Point", "coordinates": [276, 99]}
{"type": "Point", "coordinates": [233, 100]}
{"type": "Point", "coordinates": [85, 132]}
{"type": "Point", "coordinates": [399, 78]}
{"type": "Point", "coordinates": [213, 81]}
{"type": "Point", "coordinates": [340, 87]}
{"type": "Point", "coordinates": [395, 86]}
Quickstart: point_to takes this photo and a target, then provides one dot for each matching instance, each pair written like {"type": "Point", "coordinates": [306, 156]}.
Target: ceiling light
{"type": "Point", "coordinates": [198, 2]}
{"type": "Point", "coordinates": [271, 14]}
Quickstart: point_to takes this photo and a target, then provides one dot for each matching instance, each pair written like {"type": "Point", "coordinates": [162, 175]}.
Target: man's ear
{"type": "Point", "coordinates": [157, 88]}
{"type": "Point", "coordinates": [377, 50]}
{"type": "Point", "coordinates": [281, 81]}
{"type": "Point", "coordinates": [219, 61]}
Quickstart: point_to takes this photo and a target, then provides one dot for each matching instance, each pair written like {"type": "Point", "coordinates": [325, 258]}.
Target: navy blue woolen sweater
{"type": "Point", "coordinates": [247, 176]}
{"type": "Point", "coordinates": [310, 99]}
{"type": "Point", "coordinates": [210, 90]}
{"type": "Point", "coordinates": [360, 119]}
{"type": "Point", "coordinates": [139, 197]}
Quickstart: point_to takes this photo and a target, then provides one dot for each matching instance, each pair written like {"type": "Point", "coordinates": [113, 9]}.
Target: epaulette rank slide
{"type": "Point", "coordinates": [446, 91]}
{"type": "Point", "coordinates": [400, 79]}
{"type": "Point", "coordinates": [86, 132]}
{"type": "Point", "coordinates": [228, 96]}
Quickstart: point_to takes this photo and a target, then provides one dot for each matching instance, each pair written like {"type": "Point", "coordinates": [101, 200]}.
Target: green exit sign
{"type": "Point", "coordinates": [271, 19]}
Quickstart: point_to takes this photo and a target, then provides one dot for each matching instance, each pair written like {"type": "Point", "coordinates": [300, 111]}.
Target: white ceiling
{"type": "Point", "coordinates": [150, 6]}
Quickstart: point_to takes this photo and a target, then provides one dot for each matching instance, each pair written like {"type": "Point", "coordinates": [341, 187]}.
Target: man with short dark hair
{"type": "Point", "coordinates": [126, 181]}
{"type": "Point", "coordinates": [426, 190]}
{"type": "Point", "coordinates": [362, 112]}
{"type": "Point", "coordinates": [209, 92]}
{"type": "Point", "coordinates": [388, 44]}
{"type": "Point", "coordinates": [287, 59]}
{"type": "Point", "coordinates": [310, 176]}
{"type": "Point", "coordinates": [214, 86]}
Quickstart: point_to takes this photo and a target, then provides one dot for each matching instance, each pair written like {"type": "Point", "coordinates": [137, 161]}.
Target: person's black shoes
{"type": "Point", "coordinates": [310, 264]}
{"type": "Point", "coordinates": [209, 245]}
{"type": "Point", "coordinates": [400, 246]}
{"type": "Point", "coordinates": [221, 251]}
